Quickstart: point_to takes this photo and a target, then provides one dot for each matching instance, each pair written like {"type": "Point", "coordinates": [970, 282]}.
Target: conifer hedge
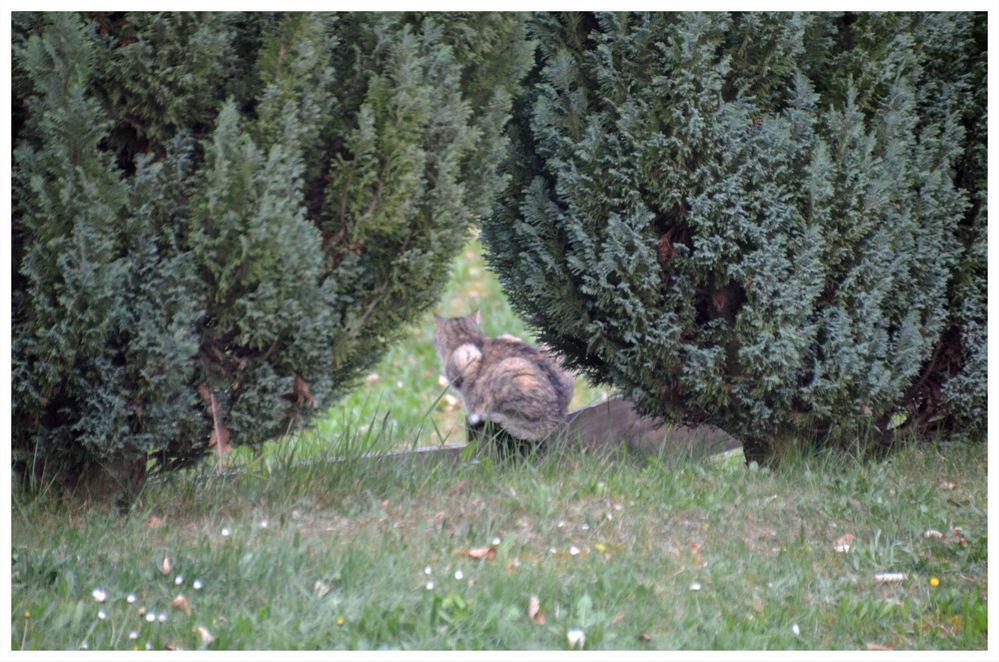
{"type": "Point", "coordinates": [221, 220]}
{"type": "Point", "coordinates": [774, 223]}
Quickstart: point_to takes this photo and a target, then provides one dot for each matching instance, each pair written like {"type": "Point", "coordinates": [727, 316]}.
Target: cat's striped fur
{"type": "Point", "coordinates": [503, 380]}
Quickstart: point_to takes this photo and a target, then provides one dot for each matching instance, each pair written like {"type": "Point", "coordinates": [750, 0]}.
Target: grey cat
{"type": "Point", "coordinates": [503, 380]}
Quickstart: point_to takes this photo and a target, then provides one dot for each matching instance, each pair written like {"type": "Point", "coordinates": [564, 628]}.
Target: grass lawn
{"type": "Point", "coordinates": [370, 555]}
{"type": "Point", "coordinates": [296, 550]}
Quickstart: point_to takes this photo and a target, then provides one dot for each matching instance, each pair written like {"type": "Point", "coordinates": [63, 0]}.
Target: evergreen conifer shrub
{"type": "Point", "coordinates": [769, 222]}
{"type": "Point", "coordinates": [222, 220]}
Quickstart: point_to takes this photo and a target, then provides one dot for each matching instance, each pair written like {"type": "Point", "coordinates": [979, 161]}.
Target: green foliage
{"type": "Point", "coordinates": [222, 220]}
{"type": "Point", "coordinates": [159, 72]}
{"type": "Point", "coordinates": [764, 221]}
{"type": "Point", "coordinates": [71, 201]}
{"type": "Point", "coordinates": [494, 51]}
{"type": "Point", "coordinates": [960, 375]}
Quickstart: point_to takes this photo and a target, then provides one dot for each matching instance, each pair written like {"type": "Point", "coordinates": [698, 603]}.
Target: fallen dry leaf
{"type": "Point", "coordinates": [180, 602]}
{"type": "Point", "coordinates": [303, 394]}
{"type": "Point", "coordinates": [320, 588]}
{"type": "Point", "coordinates": [933, 534]}
{"type": "Point", "coordinates": [534, 610]}
{"type": "Point", "coordinates": [488, 553]}
{"type": "Point", "coordinates": [842, 544]}
{"type": "Point", "coordinates": [667, 242]}
{"type": "Point", "coordinates": [947, 485]}
{"type": "Point", "coordinates": [956, 536]}
{"type": "Point", "coordinates": [154, 522]}
{"type": "Point", "coordinates": [165, 567]}
{"type": "Point", "coordinates": [206, 636]}
{"type": "Point", "coordinates": [871, 646]}
{"type": "Point", "coordinates": [458, 487]}
{"type": "Point", "coordinates": [644, 637]}
{"type": "Point", "coordinates": [618, 618]}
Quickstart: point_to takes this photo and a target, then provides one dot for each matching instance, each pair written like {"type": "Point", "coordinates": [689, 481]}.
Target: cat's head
{"type": "Point", "coordinates": [454, 331]}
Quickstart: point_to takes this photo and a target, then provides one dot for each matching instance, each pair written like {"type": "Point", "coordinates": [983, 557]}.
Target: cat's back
{"type": "Point", "coordinates": [514, 369]}
{"type": "Point", "coordinates": [511, 354]}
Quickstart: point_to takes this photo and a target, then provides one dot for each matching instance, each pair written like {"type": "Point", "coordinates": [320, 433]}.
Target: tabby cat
{"type": "Point", "coordinates": [503, 380]}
